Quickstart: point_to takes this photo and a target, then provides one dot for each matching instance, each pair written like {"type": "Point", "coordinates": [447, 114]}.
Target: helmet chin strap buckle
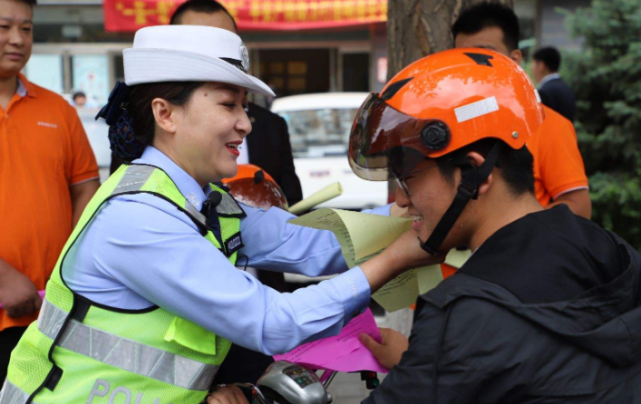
{"type": "Point", "coordinates": [468, 190]}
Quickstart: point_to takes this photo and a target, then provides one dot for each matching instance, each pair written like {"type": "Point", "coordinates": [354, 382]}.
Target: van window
{"type": "Point", "coordinates": [319, 132]}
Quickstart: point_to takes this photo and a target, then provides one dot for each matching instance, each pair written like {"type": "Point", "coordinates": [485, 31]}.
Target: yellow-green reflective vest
{"type": "Point", "coordinates": [82, 352]}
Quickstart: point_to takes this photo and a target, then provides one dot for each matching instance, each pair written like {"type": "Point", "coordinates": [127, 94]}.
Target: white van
{"type": "Point", "coordinates": [319, 126]}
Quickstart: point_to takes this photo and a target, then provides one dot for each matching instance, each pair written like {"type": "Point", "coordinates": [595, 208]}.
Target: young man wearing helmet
{"type": "Point", "coordinates": [547, 308]}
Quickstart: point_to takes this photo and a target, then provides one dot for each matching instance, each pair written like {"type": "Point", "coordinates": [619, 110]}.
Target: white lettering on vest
{"type": "Point", "coordinates": [233, 243]}
{"type": "Point", "coordinates": [119, 390]}
{"type": "Point", "coordinates": [102, 387]}
{"type": "Point", "coordinates": [96, 390]}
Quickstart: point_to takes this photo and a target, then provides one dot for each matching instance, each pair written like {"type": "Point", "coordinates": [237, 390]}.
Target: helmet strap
{"type": "Point", "coordinates": [471, 178]}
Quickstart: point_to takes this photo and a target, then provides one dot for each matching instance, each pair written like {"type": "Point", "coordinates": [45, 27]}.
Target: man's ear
{"type": "Point", "coordinates": [476, 160]}
{"type": "Point", "coordinates": [165, 115]}
{"type": "Point", "coordinates": [517, 56]}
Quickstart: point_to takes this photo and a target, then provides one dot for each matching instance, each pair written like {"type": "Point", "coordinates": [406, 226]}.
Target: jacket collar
{"type": "Point", "coordinates": [548, 78]}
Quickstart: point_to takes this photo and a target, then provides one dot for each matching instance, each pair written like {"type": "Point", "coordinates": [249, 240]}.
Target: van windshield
{"type": "Point", "coordinates": [319, 132]}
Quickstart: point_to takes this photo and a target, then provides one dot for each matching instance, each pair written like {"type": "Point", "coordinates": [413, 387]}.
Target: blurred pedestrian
{"type": "Point", "coordinates": [48, 174]}
{"type": "Point", "coordinates": [79, 99]}
{"type": "Point", "coordinates": [552, 89]}
{"type": "Point", "coordinates": [559, 172]}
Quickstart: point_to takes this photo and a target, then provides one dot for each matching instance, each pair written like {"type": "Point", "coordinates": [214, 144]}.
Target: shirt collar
{"type": "Point", "coordinates": [187, 185]}
{"type": "Point", "coordinates": [21, 90]}
{"type": "Point", "coordinates": [25, 87]}
{"type": "Point", "coordinates": [549, 77]}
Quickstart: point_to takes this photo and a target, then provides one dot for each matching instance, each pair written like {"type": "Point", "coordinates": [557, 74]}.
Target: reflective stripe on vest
{"type": "Point", "coordinates": [125, 354]}
{"type": "Point", "coordinates": [12, 394]}
{"type": "Point", "coordinates": [135, 178]}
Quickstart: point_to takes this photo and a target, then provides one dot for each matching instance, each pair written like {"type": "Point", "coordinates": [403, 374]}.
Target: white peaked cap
{"type": "Point", "coordinates": [189, 53]}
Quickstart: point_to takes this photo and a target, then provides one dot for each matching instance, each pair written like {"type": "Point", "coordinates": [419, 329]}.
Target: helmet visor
{"type": "Point", "coordinates": [385, 144]}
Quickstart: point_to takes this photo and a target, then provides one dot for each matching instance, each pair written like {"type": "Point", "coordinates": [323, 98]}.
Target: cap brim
{"type": "Point", "coordinates": [162, 65]}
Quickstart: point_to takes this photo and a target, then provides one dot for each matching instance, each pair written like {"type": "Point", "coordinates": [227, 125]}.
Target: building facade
{"type": "Point", "coordinates": [73, 52]}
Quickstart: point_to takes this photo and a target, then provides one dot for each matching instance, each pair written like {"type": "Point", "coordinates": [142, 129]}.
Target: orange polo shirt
{"type": "Point", "coordinates": [558, 165]}
{"type": "Point", "coordinates": [43, 151]}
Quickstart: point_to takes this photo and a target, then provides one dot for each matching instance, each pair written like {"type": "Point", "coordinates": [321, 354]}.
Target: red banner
{"type": "Point", "coordinates": [273, 15]}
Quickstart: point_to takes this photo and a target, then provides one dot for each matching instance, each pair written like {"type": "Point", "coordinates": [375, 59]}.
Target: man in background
{"type": "Point", "coordinates": [48, 174]}
{"type": "Point", "coordinates": [553, 90]}
{"type": "Point", "coordinates": [559, 172]}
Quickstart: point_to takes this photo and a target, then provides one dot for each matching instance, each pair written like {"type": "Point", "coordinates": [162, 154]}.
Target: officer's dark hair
{"type": "Point", "coordinates": [488, 15]}
{"type": "Point", "coordinates": [550, 56]}
{"type": "Point", "coordinates": [516, 166]}
{"type": "Point", "coordinates": [200, 6]}
{"type": "Point", "coordinates": [78, 94]}
{"type": "Point", "coordinates": [140, 98]}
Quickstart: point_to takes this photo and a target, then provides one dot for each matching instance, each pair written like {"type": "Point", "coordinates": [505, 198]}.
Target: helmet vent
{"type": "Point", "coordinates": [392, 89]}
{"type": "Point", "coordinates": [481, 59]}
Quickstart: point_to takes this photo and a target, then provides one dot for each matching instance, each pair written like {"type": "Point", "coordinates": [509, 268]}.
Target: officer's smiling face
{"type": "Point", "coordinates": [209, 130]}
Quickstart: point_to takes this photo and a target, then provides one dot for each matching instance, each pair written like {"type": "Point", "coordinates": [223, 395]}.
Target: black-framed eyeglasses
{"type": "Point", "coordinates": [400, 181]}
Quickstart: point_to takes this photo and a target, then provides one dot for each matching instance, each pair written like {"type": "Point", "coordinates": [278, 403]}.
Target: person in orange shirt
{"type": "Point", "coordinates": [558, 166]}
{"type": "Point", "coordinates": [48, 174]}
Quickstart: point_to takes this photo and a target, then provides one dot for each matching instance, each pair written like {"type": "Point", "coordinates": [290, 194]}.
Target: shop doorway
{"type": "Point", "coordinates": [296, 71]}
{"type": "Point", "coordinates": [355, 71]}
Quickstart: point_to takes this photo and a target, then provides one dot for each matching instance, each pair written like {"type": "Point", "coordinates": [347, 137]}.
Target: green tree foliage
{"type": "Point", "coordinates": [606, 77]}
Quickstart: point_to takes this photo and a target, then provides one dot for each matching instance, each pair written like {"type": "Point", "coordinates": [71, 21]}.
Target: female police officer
{"type": "Point", "coordinates": [145, 297]}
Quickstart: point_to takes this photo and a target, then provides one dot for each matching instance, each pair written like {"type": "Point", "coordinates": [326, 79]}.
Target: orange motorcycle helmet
{"type": "Point", "coordinates": [440, 104]}
{"type": "Point", "coordinates": [255, 187]}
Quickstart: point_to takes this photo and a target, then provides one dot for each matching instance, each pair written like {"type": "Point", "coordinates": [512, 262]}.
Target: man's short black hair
{"type": "Point", "coordinates": [488, 15]}
{"type": "Point", "coordinates": [550, 56]}
{"type": "Point", "coordinates": [200, 6]}
{"type": "Point", "coordinates": [31, 3]}
{"type": "Point", "coordinates": [78, 94]}
{"type": "Point", "coordinates": [516, 166]}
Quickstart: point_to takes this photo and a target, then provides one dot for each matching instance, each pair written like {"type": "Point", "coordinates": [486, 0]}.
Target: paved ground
{"type": "Point", "coordinates": [347, 388]}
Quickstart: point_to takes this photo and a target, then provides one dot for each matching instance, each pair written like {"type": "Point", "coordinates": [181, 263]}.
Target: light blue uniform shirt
{"type": "Point", "coordinates": [140, 251]}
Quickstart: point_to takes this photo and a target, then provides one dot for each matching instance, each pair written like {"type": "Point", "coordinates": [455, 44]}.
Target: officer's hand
{"type": "Point", "coordinates": [403, 254]}
{"type": "Point", "coordinates": [18, 295]}
{"type": "Point", "coordinates": [389, 352]}
{"type": "Point", "coordinates": [407, 252]}
{"type": "Point", "coordinates": [227, 394]}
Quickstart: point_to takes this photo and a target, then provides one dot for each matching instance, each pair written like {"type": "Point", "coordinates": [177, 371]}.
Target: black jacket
{"type": "Point", "coordinates": [270, 149]}
{"type": "Point", "coordinates": [560, 97]}
{"type": "Point", "coordinates": [547, 310]}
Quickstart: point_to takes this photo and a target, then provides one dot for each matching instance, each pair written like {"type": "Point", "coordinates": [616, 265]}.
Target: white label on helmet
{"type": "Point", "coordinates": [476, 109]}
{"type": "Point", "coordinates": [538, 96]}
